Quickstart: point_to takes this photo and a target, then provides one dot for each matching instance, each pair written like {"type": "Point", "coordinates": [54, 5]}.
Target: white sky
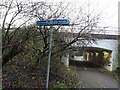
{"type": "Point", "coordinates": [109, 8]}
{"type": "Point", "coordinates": [109, 16]}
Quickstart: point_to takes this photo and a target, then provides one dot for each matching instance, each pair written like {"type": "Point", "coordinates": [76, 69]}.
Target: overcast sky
{"type": "Point", "coordinates": [109, 8]}
{"type": "Point", "coordinates": [109, 16]}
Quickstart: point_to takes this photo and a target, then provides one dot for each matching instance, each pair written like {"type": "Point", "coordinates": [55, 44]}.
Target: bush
{"type": "Point", "coordinates": [79, 54]}
{"type": "Point", "coordinates": [60, 85]}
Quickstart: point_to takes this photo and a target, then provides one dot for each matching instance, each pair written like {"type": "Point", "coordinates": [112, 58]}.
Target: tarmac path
{"type": "Point", "coordinates": [92, 76]}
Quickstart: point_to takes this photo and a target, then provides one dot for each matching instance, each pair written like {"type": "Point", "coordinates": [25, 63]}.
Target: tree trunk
{"type": "Point", "coordinates": [13, 52]}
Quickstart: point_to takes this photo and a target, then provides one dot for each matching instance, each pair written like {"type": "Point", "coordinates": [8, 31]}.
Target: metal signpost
{"type": "Point", "coordinates": [51, 23]}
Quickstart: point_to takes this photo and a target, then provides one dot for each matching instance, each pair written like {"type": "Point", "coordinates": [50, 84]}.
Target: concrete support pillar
{"type": "Point", "coordinates": [66, 59]}
{"type": "Point", "coordinates": [87, 56]}
{"type": "Point", "coordinates": [94, 57]}
{"type": "Point", "coordinates": [90, 56]}
{"type": "Point", "coordinates": [100, 58]}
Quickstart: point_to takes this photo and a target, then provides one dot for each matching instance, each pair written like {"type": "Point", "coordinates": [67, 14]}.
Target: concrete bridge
{"type": "Point", "coordinates": [103, 52]}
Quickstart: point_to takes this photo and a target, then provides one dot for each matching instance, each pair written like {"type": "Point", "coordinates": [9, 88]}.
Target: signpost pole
{"type": "Point", "coordinates": [49, 55]}
{"type": "Point", "coordinates": [51, 22]}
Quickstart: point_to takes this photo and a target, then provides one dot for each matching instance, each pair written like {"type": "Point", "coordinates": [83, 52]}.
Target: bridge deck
{"type": "Point", "coordinates": [96, 49]}
{"type": "Point", "coordinates": [99, 36]}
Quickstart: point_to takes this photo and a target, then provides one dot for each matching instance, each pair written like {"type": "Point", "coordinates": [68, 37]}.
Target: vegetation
{"type": "Point", "coordinates": [79, 53]}
{"type": "Point", "coordinates": [25, 45]}
{"type": "Point", "coordinates": [115, 74]}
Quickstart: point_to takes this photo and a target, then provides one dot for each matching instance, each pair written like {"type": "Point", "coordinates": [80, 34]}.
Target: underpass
{"type": "Point", "coordinates": [90, 67]}
{"type": "Point", "coordinates": [105, 49]}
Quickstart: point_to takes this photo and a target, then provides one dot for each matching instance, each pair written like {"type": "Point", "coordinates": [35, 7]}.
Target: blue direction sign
{"type": "Point", "coordinates": [53, 22]}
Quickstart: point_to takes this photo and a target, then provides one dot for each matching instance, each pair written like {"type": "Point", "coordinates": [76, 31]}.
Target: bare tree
{"type": "Point", "coordinates": [18, 27]}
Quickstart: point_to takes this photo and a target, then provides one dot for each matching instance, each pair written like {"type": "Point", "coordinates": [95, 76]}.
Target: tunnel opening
{"type": "Point", "coordinates": [94, 57]}
{"type": "Point", "coordinates": [99, 56]}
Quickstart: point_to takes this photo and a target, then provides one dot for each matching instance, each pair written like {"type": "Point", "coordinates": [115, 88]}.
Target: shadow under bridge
{"type": "Point", "coordinates": [98, 56]}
